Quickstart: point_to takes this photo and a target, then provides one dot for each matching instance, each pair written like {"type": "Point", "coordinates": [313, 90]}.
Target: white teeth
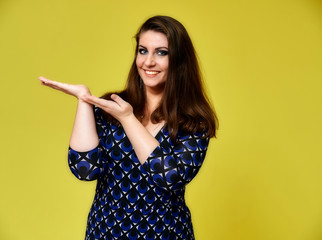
{"type": "Point", "coordinates": [151, 72]}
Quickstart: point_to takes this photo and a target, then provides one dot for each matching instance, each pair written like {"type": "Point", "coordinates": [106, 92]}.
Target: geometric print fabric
{"type": "Point", "coordinates": [135, 201]}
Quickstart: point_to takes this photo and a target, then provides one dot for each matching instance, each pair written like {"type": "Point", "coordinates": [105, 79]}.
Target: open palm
{"type": "Point", "coordinates": [117, 107]}
{"type": "Point", "coordinates": [77, 91]}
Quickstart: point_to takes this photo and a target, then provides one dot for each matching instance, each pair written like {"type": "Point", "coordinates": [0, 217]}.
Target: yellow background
{"type": "Point", "coordinates": [262, 63]}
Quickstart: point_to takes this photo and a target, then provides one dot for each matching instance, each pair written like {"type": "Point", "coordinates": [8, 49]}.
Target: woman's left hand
{"type": "Point", "coordinates": [117, 107]}
{"type": "Point", "coordinates": [141, 139]}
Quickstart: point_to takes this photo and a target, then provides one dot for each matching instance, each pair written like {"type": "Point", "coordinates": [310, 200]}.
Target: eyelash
{"type": "Point", "coordinates": [143, 51]}
{"type": "Point", "coordinates": [162, 52]}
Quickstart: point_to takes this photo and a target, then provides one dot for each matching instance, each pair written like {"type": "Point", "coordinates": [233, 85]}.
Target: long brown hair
{"type": "Point", "coordinates": [184, 105]}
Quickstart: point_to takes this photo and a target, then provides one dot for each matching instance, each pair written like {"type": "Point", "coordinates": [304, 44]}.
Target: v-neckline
{"type": "Point", "coordinates": [156, 130]}
{"type": "Point", "coordinates": [159, 131]}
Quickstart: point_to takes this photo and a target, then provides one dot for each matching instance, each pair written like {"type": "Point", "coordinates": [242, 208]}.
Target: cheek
{"type": "Point", "coordinates": [165, 65]}
{"type": "Point", "coordinates": [138, 62]}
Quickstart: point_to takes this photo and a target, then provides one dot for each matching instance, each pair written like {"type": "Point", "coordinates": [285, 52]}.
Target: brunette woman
{"type": "Point", "coordinates": [145, 143]}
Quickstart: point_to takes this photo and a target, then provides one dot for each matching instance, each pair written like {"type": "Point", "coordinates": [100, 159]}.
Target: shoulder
{"type": "Point", "coordinates": [100, 118]}
{"type": "Point", "coordinates": [194, 141]}
{"type": "Point", "coordinates": [98, 113]}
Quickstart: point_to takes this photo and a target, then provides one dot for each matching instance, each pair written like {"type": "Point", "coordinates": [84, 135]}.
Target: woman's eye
{"type": "Point", "coordinates": [142, 51]}
{"type": "Point", "coordinates": [162, 52]}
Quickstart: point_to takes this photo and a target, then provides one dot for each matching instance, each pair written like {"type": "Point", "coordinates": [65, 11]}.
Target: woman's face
{"type": "Point", "coordinates": [152, 60]}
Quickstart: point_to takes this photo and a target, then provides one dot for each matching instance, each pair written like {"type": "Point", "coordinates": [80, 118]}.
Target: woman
{"type": "Point", "coordinates": [146, 143]}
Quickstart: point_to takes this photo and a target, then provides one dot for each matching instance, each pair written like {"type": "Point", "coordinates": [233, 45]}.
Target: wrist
{"type": "Point", "coordinates": [83, 103]}
{"type": "Point", "coordinates": [128, 120]}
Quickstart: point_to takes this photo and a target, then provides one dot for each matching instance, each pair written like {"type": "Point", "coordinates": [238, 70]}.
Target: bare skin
{"type": "Point", "coordinates": [84, 136]}
{"type": "Point", "coordinates": [152, 63]}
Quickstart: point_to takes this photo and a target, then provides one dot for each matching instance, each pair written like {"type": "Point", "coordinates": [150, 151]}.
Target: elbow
{"type": "Point", "coordinates": [85, 174]}
{"type": "Point", "coordinates": [175, 178]}
{"type": "Point", "coordinates": [85, 166]}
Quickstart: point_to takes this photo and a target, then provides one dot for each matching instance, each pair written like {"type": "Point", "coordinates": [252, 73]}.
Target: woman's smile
{"type": "Point", "coordinates": [152, 59]}
{"type": "Point", "coordinates": [150, 73]}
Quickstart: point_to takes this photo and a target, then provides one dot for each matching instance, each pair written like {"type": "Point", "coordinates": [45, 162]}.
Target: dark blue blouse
{"type": "Point", "coordinates": [135, 201]}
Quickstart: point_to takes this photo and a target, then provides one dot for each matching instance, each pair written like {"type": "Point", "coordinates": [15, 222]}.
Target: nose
{"type": "Point", "coordinates": [149, 61]}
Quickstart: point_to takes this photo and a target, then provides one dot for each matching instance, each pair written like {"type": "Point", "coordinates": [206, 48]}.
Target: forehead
{"type": "Point", "coordinates": [153, 39]}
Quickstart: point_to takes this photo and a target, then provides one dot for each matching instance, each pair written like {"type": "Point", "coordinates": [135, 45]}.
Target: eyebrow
{"type": "Point", "coordinates": [158, 48]}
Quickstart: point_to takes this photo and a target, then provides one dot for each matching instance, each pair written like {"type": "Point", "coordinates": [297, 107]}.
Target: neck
{"type": "Point", "coordinates": [153, 99]}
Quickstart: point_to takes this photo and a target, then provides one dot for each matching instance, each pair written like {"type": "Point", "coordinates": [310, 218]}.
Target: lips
{"type": "Point", "coordinates": [151, 73]}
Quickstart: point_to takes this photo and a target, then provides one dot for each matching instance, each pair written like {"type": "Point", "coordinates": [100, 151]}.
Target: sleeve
{"type": "Point", "coordinates": [171, 167]}
{"type": "Point", "coordinates": [88, 165]}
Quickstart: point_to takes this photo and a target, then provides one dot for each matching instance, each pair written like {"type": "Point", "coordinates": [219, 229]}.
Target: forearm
{"type": "Point", "coordinates": [142, 141]}
{"type": "Point", "coordinates": [84, 136]}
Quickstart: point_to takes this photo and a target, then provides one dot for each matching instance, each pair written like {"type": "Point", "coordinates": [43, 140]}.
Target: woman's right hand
{"type": "Point", "coordinates": [77, 91]}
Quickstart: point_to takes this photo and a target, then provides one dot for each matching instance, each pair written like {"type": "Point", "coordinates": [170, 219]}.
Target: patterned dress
{"type": "Point", "coordinates": [135, 201]}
